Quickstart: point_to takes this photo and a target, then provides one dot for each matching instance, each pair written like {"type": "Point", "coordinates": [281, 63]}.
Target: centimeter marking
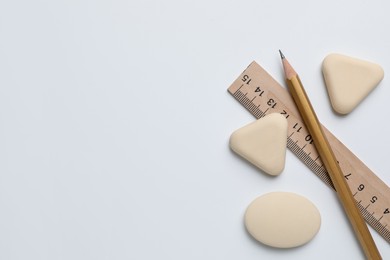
{"type": "Point", "coordinates": [259, 93]}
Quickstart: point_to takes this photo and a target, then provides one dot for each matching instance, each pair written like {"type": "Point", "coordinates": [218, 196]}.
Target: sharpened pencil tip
{"type": "Point", "coordinates": [281, 54]}
{"type": "Point", "coordinates": [288, 69]}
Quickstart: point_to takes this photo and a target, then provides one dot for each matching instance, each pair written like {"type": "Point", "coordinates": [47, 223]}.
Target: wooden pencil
{"type": "Point", "coordinates": [330, 162]}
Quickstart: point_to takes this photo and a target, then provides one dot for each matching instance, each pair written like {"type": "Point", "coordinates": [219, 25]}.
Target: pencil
{"type": "Point", "coordinates": [329, 160]}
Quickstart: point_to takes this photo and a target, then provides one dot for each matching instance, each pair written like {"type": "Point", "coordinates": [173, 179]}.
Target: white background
{"type": "Point", "coordinates": [115, 121]}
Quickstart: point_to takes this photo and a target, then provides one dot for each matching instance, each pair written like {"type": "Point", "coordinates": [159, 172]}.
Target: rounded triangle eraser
{"type": "Point", "coordinates": [349, 80]}
{"type": "Point", "coordinates": [263, 143]}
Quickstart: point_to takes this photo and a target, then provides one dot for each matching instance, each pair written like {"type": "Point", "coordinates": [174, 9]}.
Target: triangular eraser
{"type": "Point", "coordinates": [349, 80]}
{"type": "Point", "coordinates": [263, 143]}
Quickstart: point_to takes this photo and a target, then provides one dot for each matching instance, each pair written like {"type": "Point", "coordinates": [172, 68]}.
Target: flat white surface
{"type": "Point", "coordinates": [115, 120]}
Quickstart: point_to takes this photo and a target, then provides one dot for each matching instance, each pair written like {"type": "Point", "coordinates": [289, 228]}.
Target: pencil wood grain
{"type": "Point", "coordinates": [330, 162]}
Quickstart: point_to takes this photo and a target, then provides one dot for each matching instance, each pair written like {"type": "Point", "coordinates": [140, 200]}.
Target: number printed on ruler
{"type": "Point", "coordinates": [259, 93]}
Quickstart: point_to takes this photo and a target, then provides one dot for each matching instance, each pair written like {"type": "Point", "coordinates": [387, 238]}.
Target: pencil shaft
{"type": "Point", "coordinates": [330, 162]}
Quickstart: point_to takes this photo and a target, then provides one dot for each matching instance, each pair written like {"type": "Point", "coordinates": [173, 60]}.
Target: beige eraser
{"type": "Point", "coordinates": [282, 219]}
{"type": "Point", "coordinates": [263, 143]}
{"type": "Point", "coordinates": [349, 80]}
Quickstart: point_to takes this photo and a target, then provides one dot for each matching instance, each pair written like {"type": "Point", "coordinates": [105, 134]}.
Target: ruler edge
{"type": "Point", "coordinates": [369, 218]}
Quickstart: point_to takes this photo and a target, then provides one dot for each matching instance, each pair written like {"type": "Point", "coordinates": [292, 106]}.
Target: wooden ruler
{"type": "Point", "coordinates": [258, 92]}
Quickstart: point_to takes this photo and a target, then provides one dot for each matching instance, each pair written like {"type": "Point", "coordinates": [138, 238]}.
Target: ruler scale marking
{"type": "Point", "coordinates": [365, 185]}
